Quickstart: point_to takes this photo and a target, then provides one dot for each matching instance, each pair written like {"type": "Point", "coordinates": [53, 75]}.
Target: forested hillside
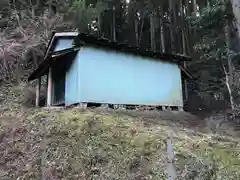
{"type": "Point", "coordinates": [206, 30]}
{"type": "Point", "coordinates": [76, 143]}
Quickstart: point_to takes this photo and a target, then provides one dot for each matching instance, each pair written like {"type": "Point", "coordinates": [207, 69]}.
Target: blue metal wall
{"type": "Point", "coordinates": [102, 76]}
{"type": "Point", "coordinates": [72, 93]}
{"type": "Point", "coordinates": [63, 43]}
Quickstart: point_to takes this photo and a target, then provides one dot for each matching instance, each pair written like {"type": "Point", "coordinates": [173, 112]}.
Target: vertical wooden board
{"type": "Point", "coordinates": [71, 85]}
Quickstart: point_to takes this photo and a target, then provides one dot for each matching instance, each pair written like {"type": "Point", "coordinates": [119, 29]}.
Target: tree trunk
{"type": "Point", "coordinates": [162, 40]}
{"type": "Point", "coordinates": [208, 3]}
{"type": "Point", "coordinates": [131, 15]}
{"type": "Point", "coordinates": [228, 43]}
{"type": "Point", "coordinates": [50, 7]}
{"type": "Point", "coordinates": [188, 32]}
{"type": "Point", "coordinates": [182, 29]}
{"type": "Point", "coordinates": [141, 30]}
{"type": "Point", "coordinates": [114, 24]}
{"type": "Point", "coordinates": [187, 7]}
{"type": "Point", "coordinates": [136, 30]}
{"type": "Point", "coordinates": [194, 7]}
{"type": "Point", "coordinates": [229, 73]}
{"type": "Point", "coordinates": [184, 51]}
{"type": "Point", "coordinates": [100, 24]}
{"type": "Point", "coordinates": [229, 90]}
{"type": "Point", "coordinates": [152, 32]}
{"type": "Point", "coordinates": [236, 12]}
{"type": "Point", "coordinates": [172, 28]}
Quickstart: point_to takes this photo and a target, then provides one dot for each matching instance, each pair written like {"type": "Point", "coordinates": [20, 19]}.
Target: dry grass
{"type": "Point", "coordinates": [23, 41]}
{"type": "Point", "coordinates": [77, 144]}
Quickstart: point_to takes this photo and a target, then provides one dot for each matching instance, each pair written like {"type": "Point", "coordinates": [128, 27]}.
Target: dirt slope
{"type": "Point", "coordinates": [103, 144]}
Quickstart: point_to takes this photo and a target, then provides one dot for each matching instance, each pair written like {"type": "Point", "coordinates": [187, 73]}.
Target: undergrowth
{"type": "Point", "coordinates": [76, 144]}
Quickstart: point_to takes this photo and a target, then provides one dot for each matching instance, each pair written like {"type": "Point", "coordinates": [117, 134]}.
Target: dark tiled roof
{"type": "Point", "coordinates": [84, 39]}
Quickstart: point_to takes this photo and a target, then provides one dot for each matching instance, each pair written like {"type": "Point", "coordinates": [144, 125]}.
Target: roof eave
{"type": "Point", "coordinates": [58, 34]}
{"type": "Point", "coordinates": [42, 68]}
{"type": "Point", "coordinates": [106, 43]}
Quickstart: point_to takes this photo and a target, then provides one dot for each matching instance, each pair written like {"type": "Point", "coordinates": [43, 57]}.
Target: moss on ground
{"type": "Point", "coordinates": [77, 144]}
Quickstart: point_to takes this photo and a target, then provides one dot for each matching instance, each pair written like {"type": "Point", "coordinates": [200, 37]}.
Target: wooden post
{"type": "Point", "coordinates": [172, 175]}
{"type": "Point", "coordinates": [83, 105]}
{"type": "Point", "coordinates": [180, 109]}
{"type": "Point", "coordinates": [49, 88]}
{"type": "Point", "coordinates": [38, 87]}
{"type": "Point", "coordinates": [186, 89]}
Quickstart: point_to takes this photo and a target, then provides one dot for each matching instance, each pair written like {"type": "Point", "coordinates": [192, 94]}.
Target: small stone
{"type": "Point", "coordinates": [3, 173]}
{"type": "Point", "coordinates": [28, 167]}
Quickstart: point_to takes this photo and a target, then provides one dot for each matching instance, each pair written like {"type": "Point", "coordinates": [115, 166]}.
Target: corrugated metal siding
{"type": "Point", "coordinates": [71, 86]}
{"type": "Point", "coordinates": [118, 78]}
